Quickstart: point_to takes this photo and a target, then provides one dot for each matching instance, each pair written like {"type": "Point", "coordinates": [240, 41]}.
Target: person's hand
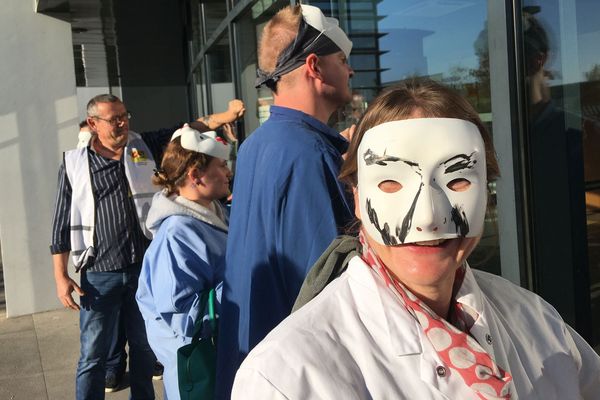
{"type": "Point", "coordinates": [64, 287]}
{"type": "Point", "coordinates": [229, 131]}
{"type": "Point", "coordinates": [236, 109]}
{"type": "Point", "coordinates": [348, 132]}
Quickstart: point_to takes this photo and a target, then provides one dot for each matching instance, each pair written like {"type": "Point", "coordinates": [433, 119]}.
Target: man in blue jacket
{"type": "Point", "coordinates": [287, 202]}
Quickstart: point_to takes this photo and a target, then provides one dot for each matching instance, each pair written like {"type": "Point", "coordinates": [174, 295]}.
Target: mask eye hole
{"type": "Point", "coordinates": [458, 185]}
{"type": "Point", "coordinates": [389, 186]}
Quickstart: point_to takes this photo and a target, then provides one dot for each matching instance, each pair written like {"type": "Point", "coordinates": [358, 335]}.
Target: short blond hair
{"type": "Point", "coordinates": [278, 33]}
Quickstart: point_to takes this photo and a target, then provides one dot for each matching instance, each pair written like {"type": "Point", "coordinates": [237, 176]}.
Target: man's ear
{"type": "Point", "coordinates": [92, 123]}
{"type": "Point", "coordinates": [313, 67]}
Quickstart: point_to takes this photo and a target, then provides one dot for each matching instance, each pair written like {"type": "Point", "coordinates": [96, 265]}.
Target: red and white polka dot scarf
{"type": "Point", "coordinates": [457, 349]}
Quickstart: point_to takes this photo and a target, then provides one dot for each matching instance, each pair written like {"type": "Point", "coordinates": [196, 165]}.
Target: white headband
{"type": "Point", "coordinates": [206, 143]}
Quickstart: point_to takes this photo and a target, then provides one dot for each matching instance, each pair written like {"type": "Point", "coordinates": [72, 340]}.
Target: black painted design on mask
{"type": "Point", "coordinates": [459, 162]}
{"type": "Point", "coordinates": [460, 220]}
{"type": "Point", "coordinates": [401, 231]}
{"type": "Point", "coordinates": [371, 158]}
{"type": "Point", "coordinates": [388, 239]}
{"type": "Point", "coordinates": [407, 221]}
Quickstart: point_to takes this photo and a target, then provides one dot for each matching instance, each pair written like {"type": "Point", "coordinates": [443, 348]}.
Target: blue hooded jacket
{"type": "Point", "coordinates": [185, 258]}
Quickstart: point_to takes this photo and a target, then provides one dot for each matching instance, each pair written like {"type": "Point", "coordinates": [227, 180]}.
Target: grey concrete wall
{"type": "Point", "coordinates": [38, 121]}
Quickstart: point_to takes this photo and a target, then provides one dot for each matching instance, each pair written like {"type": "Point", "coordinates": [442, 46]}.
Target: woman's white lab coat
{"type": "Point", "coordinates": [356, 341]}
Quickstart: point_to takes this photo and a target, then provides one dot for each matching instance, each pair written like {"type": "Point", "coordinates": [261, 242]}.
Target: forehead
{"type": "Point", "coordinates": [423, 140]}
{"type": "Point", "coordinates": [110, 109]}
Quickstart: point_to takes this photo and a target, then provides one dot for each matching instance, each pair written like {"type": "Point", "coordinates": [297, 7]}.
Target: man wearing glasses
{"type": "Point", "coordinates": [104, 194]}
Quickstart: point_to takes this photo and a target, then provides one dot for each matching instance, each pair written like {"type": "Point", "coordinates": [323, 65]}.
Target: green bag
{"type": "Point", "coordinates": [197, 361]}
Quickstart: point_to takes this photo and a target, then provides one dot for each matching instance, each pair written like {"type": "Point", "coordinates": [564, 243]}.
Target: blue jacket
{"type": "Point", "coordinates": [185, 258]}
{"type": "Point", "coordinates": [287, 207]}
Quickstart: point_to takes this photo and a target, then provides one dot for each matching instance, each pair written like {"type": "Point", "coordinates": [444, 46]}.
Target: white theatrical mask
{"type": "Point", "coordinates": [426, 156]}
{"type": "Point", "coordinates": [206, 142]}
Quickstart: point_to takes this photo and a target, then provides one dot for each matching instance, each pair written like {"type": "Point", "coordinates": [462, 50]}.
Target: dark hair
{"type": "Point", "coordinates": [83, 124]}
{"type": "Point", "coordinates": [434, 100]}
{"type": "Point", "coordinates": [101, 98]}
{"type": "Point", "coordinates": [535, 37]}
{"type": "Point", "coordinates": [176, 162]}
{"type": "Point", "coordinates": [536, 44]}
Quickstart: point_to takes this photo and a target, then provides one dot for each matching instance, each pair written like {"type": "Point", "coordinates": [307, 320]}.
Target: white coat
{"type": "Point", "coordinates": [356, 341]}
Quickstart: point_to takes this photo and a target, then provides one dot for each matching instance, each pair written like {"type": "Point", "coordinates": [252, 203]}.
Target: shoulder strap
{"type": "Point", "coordinates": [207, 300]}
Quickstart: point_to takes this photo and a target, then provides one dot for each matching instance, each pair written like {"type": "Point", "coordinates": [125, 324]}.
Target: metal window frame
{"type": "Point", "coordinates": [228, 26]}
{"type": "Point", "coordinates": [504, 25]}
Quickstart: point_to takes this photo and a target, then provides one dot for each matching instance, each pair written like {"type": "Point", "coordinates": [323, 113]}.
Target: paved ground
{"type": "Point", "coordinates": [38, 357]}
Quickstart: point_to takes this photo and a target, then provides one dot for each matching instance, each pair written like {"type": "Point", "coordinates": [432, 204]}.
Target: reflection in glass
{"type": "Point", "coordinates": [214, 13]}
{"type": "Point", "coordinates": [562, 64]}
{"type": "Point", "coordinates": [245, 29]}
{"type": "Point", "coordinates": [196, 21]}
{"type": "Point", "coordinates": [201, 99]}
{"type": "Point", "coordinates": [219, 69]}
{"type": "Point", "coordinates": [399, 39]}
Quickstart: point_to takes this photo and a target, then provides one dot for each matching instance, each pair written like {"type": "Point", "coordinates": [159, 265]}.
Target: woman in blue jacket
{"type": "Point", "coordinates": [187, 254]}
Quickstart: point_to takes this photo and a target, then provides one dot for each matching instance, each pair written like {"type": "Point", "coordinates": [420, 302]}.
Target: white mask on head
{"type": "Point", "coordinates": [206, 142]}
{"type": "Point", "coordinates": [426, 156]}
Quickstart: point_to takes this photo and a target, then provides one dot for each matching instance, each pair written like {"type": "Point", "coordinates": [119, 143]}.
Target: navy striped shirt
{"type": "Point", "coordinates": [119, 240]}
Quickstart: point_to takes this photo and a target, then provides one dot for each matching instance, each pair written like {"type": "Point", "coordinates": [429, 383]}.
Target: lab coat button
{"type": "Point", "coordinates": [441, 371]}
{"type": "Point", "coordinates": [488, 338]}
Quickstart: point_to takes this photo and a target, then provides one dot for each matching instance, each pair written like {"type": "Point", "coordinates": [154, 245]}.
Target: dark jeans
{"type": "Point", "coordinates": [116, 360]}
{"type": "Point", "coordinates": [108, 295]}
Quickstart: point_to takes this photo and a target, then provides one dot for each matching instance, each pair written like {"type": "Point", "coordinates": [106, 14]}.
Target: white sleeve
{"type": "Point", "coordinates": [588, 362]}
{"type": "Point", "coordinates": [251, 384]}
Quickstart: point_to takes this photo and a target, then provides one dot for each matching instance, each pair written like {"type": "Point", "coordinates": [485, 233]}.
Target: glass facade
{"type": "Point", "coordinates": [398, 39]}
{"type": "Point", "coordinates": [200, 90]}
{"type": "Point", "coordinates": [220, 74]}
{"type": "Point", "coordinates": [555, 62]}
{"type": "Point", "coordinates": [247, 32]}
{"type": "Point", "coordinates": [561, 63]}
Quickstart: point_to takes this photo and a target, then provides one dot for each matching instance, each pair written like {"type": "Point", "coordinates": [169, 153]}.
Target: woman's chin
{"type": "Point", "coordinates": [424, 262]}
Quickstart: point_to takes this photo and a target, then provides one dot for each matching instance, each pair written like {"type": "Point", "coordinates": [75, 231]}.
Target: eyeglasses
{"type": "Point", "coordinates": [119, 119]}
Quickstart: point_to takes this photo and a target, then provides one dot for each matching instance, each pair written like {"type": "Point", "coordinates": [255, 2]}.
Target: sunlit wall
{"type": "Point", "coordinates": [38, 121]}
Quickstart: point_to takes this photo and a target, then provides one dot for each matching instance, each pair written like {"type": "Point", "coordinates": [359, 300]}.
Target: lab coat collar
{"type": "Point", "coordinates": [385, 308]}
{"type": "Point", "coordinates": [469, 292]}
{"type": "Point", "coordinates": [406, 336]}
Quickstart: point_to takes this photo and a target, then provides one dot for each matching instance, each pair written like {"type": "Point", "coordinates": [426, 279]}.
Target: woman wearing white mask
{"type": "Point", "coordinates": [187, 254]}
{"type": "Point", "coordinates": [409, 319]}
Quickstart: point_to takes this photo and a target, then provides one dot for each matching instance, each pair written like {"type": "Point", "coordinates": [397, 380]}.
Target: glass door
{"type": "Point", "coordinates": [399, 39]}
{"type": "Point", "coordinates": [562, 69]}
